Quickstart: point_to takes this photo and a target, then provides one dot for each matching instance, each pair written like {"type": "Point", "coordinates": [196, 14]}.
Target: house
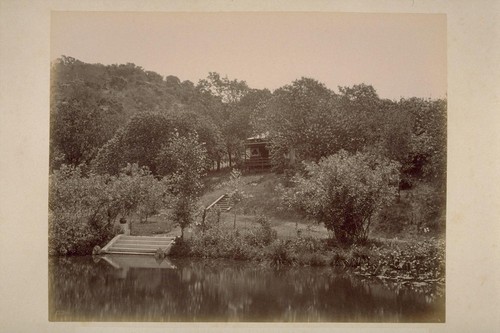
{"type": "Point", "coordinates": [256, 156]}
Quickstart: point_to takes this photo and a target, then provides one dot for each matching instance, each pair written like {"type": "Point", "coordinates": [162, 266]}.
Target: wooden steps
{"type": "Point", "coordinates": [223, 203]}
{"type": "Point", "coordinates": [145, 245]}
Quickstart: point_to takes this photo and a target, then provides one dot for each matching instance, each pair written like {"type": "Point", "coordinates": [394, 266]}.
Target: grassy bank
{"type": "Point", "coordinates": [400, 250]}
{"type": "Point", "coordinates": [419, 263]}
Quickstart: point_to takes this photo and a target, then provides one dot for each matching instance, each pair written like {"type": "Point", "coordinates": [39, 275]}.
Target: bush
{"type": "Point", "coordinates": [84, 209]}
{"type": "Point", "coordinates": [181, 248]}
{"type": "Point", "coordinates": [265, 235]}
{"type": "Point", "coordinates": [313, 259]}
{"type": "Point", "coordinates": [344, 191]}
{"type": "Point", "coordinates": [216, 240]}
{"type": "Point", "coordinates": [279, 254]}
{"type": "Point", "coordinates": [422, 207]}
{"type": "Point", "coordinates": [79, 218]}
{"type": "Point", "coordinates": [301, 245]}
{"type": "Point", "coordinates": [220, 242]}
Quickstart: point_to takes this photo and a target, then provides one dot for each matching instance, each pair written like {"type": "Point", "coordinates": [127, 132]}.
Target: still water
{"type": "Point", "coordinates": [131, 289]}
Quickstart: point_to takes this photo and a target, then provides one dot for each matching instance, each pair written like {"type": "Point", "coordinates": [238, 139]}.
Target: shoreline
{"type": "Point", "coordinates": [417, 263]}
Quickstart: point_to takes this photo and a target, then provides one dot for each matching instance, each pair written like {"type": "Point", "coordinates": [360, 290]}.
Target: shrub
{"type": "Point", "coordinates": [181, 248]}
{"type": "Point", "coordinates": [184, 161]}
{"type": "Point", "coordinates": [344, 191]}
{"type": "Point", "coordinates": [84, 209]}
{"type": "Point", "coordinates": [279, 254]}
{"type": "Point", "coordinates": [220, 242]}
{"type": "Point", "coordinates": [79, 218]}
{"type": "Point", "coordinates": [301, 245]}
{"type": "Point", "coordinates": [352, 257]}
{"type": "Point", "coordinates": [265, 234]}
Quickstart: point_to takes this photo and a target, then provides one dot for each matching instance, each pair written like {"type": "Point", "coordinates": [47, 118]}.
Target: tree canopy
{"type": "Point", "coordinates": [106, 118]}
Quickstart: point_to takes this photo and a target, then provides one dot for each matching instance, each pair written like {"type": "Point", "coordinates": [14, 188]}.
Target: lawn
{"type": "Point", "coordinates": [401, 221]}
{"type": "Point", "coordinates": [260, 199]}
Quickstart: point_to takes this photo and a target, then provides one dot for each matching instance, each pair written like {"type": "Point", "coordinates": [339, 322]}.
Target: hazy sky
{"type": "Point", "coordinates": [401, 55]}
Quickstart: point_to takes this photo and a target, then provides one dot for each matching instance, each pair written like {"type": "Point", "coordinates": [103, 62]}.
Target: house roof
{"type": "Point", "coordinates": [261, 136]}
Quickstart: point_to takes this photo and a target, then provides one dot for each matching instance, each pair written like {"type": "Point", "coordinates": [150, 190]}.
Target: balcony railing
{"type": "Point", "coordinates": [258, 163]}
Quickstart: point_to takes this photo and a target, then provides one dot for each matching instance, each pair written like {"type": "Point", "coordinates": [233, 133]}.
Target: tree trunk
{"type": "Point", "coordinates": [343, 235]}
{"type": "Point", "coordinates": [230, 159]}
{"type": "Point", "coordinates": [203, 220]}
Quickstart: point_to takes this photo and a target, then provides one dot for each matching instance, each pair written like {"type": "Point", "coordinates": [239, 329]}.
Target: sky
{"type": "Point", "coordinates": [400, 55]}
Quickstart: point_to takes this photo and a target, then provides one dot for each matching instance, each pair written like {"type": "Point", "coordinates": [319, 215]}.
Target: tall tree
{"type": "Point", "coordinates": [223, 96]}
{"type": "Point", "coordinates": [361, 116]}
{"type": "Point", "coordinates": [302, 116]}
{"type": "Point", "coordinates": [139, 142]}
{"type": "Point", "coordinates": [426, 151]}
{"type": "Point", "coordinates": [184, 160]}
{"type": "Point", "coordinates": [81, 122]}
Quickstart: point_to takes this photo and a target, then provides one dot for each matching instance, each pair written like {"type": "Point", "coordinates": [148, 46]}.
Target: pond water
{"type": "Point", "coordinates": [132, 289]}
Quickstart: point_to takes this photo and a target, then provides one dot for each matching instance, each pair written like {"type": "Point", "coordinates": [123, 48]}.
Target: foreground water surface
{"type": "Point", "coordinates": [128, 288]}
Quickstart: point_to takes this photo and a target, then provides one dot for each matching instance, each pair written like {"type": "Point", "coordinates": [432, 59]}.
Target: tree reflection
{"type": "Point", "coordinates": [84, 290]}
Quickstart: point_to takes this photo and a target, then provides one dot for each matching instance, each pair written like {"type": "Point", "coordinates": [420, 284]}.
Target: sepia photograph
{"type": "Point", "coordinates": [241, 166]}
{"type": "Point", "coordinates": [247, 167]}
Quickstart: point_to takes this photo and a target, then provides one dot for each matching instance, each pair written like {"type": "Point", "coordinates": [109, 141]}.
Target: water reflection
{"type": "Point", "coordinates": [117, 289]}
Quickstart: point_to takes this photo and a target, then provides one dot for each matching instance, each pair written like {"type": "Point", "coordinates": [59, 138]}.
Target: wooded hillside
{"type": "Point", "coordinates": [103, 117]}
{"type": "Point", "coordinates": [131, 131]}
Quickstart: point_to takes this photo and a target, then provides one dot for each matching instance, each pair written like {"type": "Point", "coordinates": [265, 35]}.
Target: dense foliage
{"type": "Point", "coordinates": [359, 148]}
{"type": "Point", "coordinates": [83, 209]}
{"type": "Point", "coordinates": [118, 114]}
{"type": "Point", "coordinates": [123, 114]}
{"type": "Point", "coordinates": [216, 240]}
{"type": "Point", "coordinates": [344, 191]}
{"type": "Point", "coordinates": [184, 159]}
{"type": "Point", "coordinates": [317, 122]}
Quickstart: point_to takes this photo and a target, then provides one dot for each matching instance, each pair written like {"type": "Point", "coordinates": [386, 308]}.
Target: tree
{"type": "Point", "coordinates": [344, 191]}
{"type": "Point", "coordinates": [144, 136]}
{"type": "Point", "coordinates": [81, 122]}
{"type": "Point", "coordinates": [80, 215]}
{"type": "Point", "coordinates": [236, 194]}
{"type": "Point", "coordinates": [228, 91]}
{"type": "Point", "coordinates": [111, 157]}
{"type": "Point", "coordinates": [138, 191]}
{"type": "Point", "coordinates": [142, 139]}
{"type": "Point", "coordinates": [90, 102]}
{"type": "Point", "coordinates": [415, 135]}
{"type": "Point", "coordinates": [361, 118]}
{"type": "Point", "coordinates": [428, 142]}
{"type": "Point", "coordinates": [223, 98]}
{"type": "Point", "coordinates": [138, 142]}
{"type": "Point", "coordinates": [184, 160]}
{"type": "Point", "coordinates": [187, 120]}
{"type": "Point", "coordinates": [302, 116]}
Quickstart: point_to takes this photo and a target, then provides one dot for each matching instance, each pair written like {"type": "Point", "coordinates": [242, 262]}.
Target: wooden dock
{"type": "Point", "coordinates": [138, 245]}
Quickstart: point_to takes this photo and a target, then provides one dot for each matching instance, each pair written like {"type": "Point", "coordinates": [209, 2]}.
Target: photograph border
{"type": "Point", "coordinates": [472, 126]}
